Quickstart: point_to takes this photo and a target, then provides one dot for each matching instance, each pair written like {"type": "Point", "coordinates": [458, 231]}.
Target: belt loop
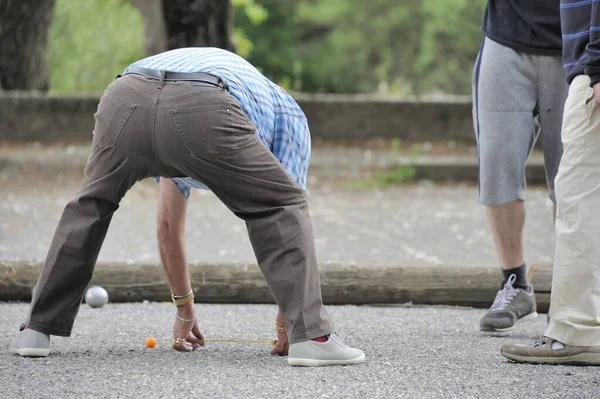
{"type": "Point", "coordinates": [224, 83]}
{"type": "Point", "coordinates": [161, 82]}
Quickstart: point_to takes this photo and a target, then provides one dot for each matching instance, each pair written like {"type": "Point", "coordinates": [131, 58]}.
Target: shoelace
{"type": "Point", "coordinates": [547, 343]}
{"type": "Point", "coordinates": [505, 295]}
{"type": "Point", "coordinates": [338, 338]}
{"type": "Point", "coordinates": [539, 343]}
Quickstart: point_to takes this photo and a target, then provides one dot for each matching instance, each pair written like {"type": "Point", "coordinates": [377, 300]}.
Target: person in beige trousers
{"type": "Point", "coordinates": [573, 332]}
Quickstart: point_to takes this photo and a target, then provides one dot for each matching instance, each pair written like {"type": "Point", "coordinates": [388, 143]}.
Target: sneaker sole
{"type": "Point", "coordinates": [317, 362]}
{"type": "Point", "coordinates": [522, 320]}
{"type": "Point", "coordinates": [30, 352]}
{"type": "Point", "coordinates": [581, 359]}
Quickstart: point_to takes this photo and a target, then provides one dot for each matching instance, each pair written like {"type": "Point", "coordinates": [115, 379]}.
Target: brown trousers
{"type": "Point", "coordinates": [143, 129]}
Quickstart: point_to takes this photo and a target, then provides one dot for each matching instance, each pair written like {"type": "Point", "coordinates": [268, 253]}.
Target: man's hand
{"type": "Point", "coordinates": [596, 89]}
{"type": "Point", "coordinates": [282, 345]}
{"type": "Point", "coordinates": [186, 333]}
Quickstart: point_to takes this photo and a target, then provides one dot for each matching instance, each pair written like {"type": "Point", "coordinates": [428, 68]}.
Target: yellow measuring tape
{"type": "Point", "coordinates": [253, 341]}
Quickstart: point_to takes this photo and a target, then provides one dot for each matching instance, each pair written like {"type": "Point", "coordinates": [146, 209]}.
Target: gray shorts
{"type": "Point", "coordinates": [517, 98]}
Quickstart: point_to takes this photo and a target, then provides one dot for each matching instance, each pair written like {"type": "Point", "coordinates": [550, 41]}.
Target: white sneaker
{"type": "Point", "coordinates": [30, 343]}
{"type": "Point", "coordinates": [331, 353]}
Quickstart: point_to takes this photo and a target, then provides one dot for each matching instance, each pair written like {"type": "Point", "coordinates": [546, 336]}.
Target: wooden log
{"type": "Point", "coordinates": [244, 283]}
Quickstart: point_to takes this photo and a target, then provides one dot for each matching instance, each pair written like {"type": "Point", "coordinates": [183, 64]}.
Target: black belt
{"type": "Point", "coordinates": [168, 76]}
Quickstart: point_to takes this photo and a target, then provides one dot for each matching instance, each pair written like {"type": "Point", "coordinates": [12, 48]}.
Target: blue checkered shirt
{"type": "Point", "coordinates": [280, 123]}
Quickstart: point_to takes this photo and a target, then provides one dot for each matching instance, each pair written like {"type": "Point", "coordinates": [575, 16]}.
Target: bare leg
{"type": "Point", "coordinates": [516, 303]}
{"type": "Point", "coordinates": [506, 222]}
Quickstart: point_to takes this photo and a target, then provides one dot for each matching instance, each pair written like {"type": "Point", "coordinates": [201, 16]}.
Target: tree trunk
{"type": "Point", "coordinates": [155, 31]}
{"type": "Point", "coordinates": [199, 23]}
{"type": "Point", "coordinates": [24, 26]}
{"type": "Point", "coordinates": [171, 24]}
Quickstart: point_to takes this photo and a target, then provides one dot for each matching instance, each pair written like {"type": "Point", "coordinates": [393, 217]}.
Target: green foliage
{"type": "Point", "coordinates": [91, 41]}
{"type": "Point", "coordinates": [398, 174]}
{"type": "Point", "coordinates": [337, 46]}
{"type": "Point", "coordinates": [397, 46]}
{"type": "Point", "coordinates": [276, 41]}
{"type": "Point", "coordinates": [255, 15]}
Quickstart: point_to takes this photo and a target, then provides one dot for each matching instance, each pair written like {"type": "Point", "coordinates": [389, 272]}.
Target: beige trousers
{"type": "Point", "coordinates": [575, 299]}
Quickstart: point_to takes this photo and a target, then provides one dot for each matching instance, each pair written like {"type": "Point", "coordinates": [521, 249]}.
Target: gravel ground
{"type": "Point", "coordinates": [412, 352]}
{"type": "Point", "coordinates": [411, 224]}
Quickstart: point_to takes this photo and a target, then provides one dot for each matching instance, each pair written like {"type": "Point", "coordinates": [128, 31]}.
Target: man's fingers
{"type": "Point", "coordinates": [187, 337]}
{"type": "Point", "coordinates": [198, 334]}
{"type": "Point", "coordinates": [280, 348]}
{"type": "Point", "coordinates": [194, 340]}
{"type": "Point", "coordinates": [188, 345]}
{"type": "Point", "coordinates": [285, 350]}
{"type": "Point", "coordinates": [276, 350]}
{"type": "Point", "coordinates": [183, 347]}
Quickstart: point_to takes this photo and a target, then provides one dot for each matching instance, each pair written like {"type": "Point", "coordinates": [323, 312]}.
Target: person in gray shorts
{"type": "Point", "coordinates": [519, 90]}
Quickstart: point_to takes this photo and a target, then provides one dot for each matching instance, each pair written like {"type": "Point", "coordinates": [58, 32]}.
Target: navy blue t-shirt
{"type": "Point", "coordinates": [529, 26]}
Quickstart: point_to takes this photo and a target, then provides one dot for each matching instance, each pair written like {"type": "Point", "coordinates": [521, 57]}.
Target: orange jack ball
{"type": "Point", "coordinates": [150, 342]}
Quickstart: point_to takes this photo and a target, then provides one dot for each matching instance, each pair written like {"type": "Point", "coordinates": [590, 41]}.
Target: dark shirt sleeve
{"type": "Point", "coordinates": [592, 50]}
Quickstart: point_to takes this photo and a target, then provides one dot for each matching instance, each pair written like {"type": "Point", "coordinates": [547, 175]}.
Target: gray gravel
{"type": "Point", "coordinates": [412, 352]}
{"type": "Point", "coordinates": [424, 352]}
{"type": "Point", "coordinates": [412, 224]}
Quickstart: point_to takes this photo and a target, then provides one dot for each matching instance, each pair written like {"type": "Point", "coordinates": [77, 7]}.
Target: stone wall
{"type": "Point", "coordinates": [37, 117]}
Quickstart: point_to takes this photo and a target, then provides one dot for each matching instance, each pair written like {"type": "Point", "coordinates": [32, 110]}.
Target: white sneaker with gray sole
{"type": "Point", "coordinates": [331, 353]}
{"type": "Point", "coordinates": [30, 343]}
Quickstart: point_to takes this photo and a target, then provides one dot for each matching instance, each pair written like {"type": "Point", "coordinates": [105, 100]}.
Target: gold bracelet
{"type": "Point", "coordinates": [179, 300]}
{"type": "Point", "coordinates": [186, 320]}
{"type": "Point", "coordinates": [182, 296]}
{"type": "Point", "coordinates": [280, 329]}
{"type": "Point", "coordinates": [177, 341]}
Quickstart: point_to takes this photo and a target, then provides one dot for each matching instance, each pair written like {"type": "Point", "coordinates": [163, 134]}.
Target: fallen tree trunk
{"type": "Point", "coordinates": [243, 283]}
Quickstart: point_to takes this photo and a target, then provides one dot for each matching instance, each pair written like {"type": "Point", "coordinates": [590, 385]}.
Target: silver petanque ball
{"type": "Point", "coordinates": [96, 297]}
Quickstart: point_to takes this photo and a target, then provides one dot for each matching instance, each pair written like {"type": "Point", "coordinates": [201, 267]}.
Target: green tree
{"type": "Point", "coordinates": [410, 46]}
{"type": "Point", "coordinates": [92, 41]}
{"type": "Point", "coordinates": [334, 46]}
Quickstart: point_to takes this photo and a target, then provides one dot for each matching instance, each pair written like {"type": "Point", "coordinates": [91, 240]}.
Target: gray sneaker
{"type": "Point", "coordinates": [333, 352]}
{"type": "Point", "coordinates": [30, 343]}
{"type": "Point", "coordinates": [511, 306]}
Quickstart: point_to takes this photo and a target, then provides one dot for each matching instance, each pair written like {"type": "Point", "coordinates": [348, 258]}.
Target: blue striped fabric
{"type": "Point", "coordinates": [280, 123]}
{"type": "Point", "coordinates": [580, 23]}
